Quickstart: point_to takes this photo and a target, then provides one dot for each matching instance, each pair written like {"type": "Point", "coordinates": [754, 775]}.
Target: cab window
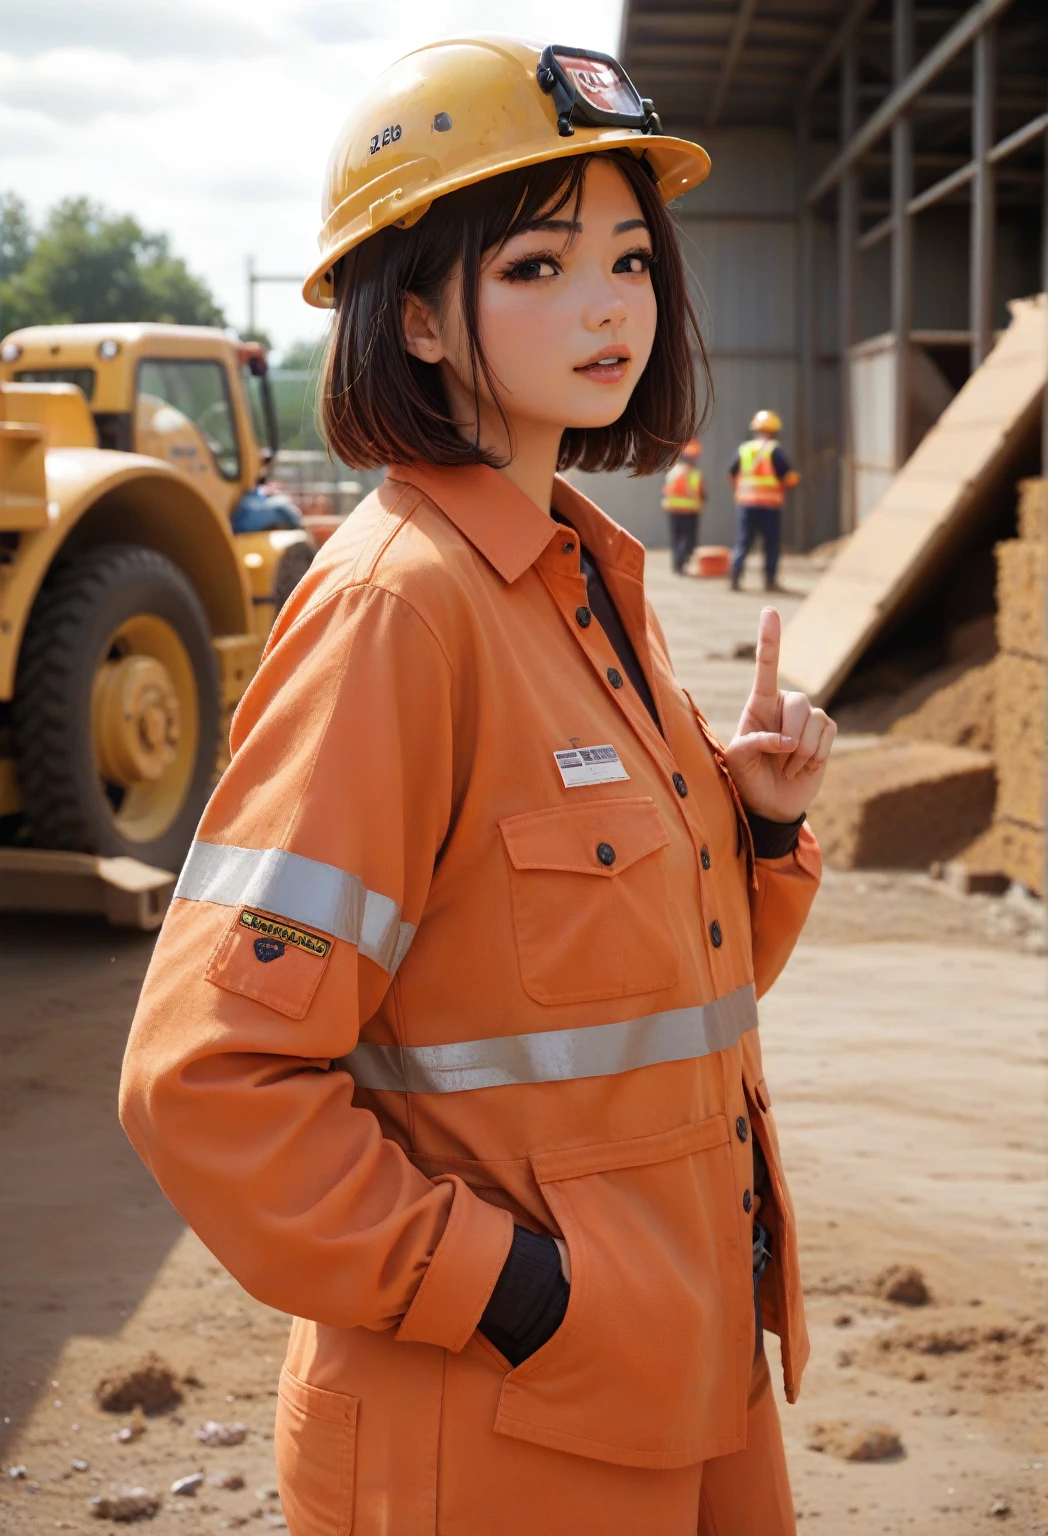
{"type": "Point", "coordinates": [200, 390]}
{"type": "Point", "coordinates": [83, 378]}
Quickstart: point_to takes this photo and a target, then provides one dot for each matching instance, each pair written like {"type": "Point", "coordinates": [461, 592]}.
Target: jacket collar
{"type": "Point", "coordinates": [506, 526]}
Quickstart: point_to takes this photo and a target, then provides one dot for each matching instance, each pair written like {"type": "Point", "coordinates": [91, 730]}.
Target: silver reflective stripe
{"type": "Point", "coordinates": [556, 1055]}
{"type": "Point", "coordinates": [300, 891]}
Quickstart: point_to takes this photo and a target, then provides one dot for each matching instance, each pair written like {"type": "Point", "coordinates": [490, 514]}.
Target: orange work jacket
{"type": "Point", "coordinates": [434, 966]}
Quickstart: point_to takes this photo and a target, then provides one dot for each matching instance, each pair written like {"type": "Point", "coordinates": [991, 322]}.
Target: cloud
{"type": "Point", "coordinates": [331, 21]}
{"type": "Point", "coordinates": [258, 187]}
{"type": "Point", "coordinates": [21, 134]}
{"type": "Point", "coordinates": [138, 29]}
{"type": "Point", "coordinates": [77, 86]}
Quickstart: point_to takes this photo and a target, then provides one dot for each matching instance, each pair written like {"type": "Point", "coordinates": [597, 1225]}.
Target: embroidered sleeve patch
{"type": "Point", "coordinates": [281, 934]}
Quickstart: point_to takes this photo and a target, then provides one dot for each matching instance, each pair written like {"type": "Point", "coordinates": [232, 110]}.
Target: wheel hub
{"type": "Point", "coordinates": [137, 720]}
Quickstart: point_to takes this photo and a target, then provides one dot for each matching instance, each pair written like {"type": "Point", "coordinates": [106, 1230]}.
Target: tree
{"type": "Point", "coordinates": [303, 356]}
{"type": "Point", "coordinates": [16, 235]}
{"type": "Point", "coordinates": [86, 264]}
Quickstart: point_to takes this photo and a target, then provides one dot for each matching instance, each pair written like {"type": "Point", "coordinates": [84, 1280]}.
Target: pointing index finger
{"type": "Point", "coordinates": [769, 631]}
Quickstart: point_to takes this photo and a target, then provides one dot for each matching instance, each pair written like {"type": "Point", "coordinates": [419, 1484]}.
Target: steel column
{"type": "Point", "coordinates": [847, 277]}
{"type": "Point", "coordinates": [803, 501]}
{"type": "Point", "coordinates": [902, 230]}
{"type": "Point", "coordinates": [906, 90]}
{"type": "Point", "coordinates": [981, 243]}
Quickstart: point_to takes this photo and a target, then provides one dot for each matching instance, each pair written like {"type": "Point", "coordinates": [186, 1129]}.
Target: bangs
{"type": "Point", "coordinates": [380, 405]}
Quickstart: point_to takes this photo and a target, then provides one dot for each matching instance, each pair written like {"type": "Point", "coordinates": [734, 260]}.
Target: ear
{"type": "Point", "coordinates": [421, 332]}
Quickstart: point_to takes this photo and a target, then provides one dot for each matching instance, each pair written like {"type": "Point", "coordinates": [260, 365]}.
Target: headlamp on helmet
{"type": "Point", "coordinates": [594, 89]}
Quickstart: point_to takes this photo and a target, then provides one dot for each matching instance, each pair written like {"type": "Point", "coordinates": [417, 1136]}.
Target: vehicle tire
{"type": "Point", "coordinates": [291, 567]}
{"type": "Point", "coordinates": [116, 710]}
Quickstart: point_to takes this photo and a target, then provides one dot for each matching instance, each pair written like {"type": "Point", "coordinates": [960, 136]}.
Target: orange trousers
{"type": "Point", "coordinates": [442, 1471]}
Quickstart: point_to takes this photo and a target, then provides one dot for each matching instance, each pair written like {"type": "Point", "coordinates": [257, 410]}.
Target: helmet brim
{"type": "Point", "coordinates": [678, 164]}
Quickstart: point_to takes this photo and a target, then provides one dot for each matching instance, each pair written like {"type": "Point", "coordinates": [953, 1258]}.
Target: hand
{"type": "Point", "coordinates": [779, 753]}
{"type": "Point", "coordinates": [565, 1258]}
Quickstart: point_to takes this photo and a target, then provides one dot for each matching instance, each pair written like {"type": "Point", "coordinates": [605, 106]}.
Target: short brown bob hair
{"type": "Point", "coordinates": [380, 405]}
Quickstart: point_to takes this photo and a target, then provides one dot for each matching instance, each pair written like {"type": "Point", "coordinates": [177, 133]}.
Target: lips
{"type": "Point", "coordinates": [608, 366]}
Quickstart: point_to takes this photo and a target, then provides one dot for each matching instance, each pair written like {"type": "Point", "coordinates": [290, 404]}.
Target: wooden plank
{"type": "Point", "coordinates": [932, 498]}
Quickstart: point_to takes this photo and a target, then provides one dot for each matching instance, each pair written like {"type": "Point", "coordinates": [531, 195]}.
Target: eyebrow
{"type": "Point", "coordinates": [572, 227]}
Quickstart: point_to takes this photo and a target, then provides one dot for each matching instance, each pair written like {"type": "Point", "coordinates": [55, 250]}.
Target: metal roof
{"type": "Point", "coordinates": [755, 62]}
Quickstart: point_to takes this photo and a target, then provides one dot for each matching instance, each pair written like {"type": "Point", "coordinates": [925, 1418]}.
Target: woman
{"type": "Point", "coordinates": [449, 1044]}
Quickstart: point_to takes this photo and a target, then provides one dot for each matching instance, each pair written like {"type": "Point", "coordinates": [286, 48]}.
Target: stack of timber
{"type": "Point", "coordinates": [1019, 817]}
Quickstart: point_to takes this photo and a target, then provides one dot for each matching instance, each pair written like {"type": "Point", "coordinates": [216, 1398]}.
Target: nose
{"type": "Point", "coordinates": [606, 311]}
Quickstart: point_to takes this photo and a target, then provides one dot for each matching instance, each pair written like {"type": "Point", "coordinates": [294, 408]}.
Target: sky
{"type": "Point", "coordinates": [213, 121]}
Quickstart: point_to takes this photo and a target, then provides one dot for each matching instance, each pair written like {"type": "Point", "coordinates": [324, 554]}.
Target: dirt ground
{"type": "Point", "coordinates": [905, 1050]}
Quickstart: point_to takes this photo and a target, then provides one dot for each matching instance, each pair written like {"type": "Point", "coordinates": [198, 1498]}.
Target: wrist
{"type": "Point", "coordinates": [773, 839]}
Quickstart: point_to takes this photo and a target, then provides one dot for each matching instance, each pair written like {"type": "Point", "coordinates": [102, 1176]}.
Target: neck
{"type": "Point", "coordinates": [529, 451]}
{"type": "Point", "coordinates": [533, 463]}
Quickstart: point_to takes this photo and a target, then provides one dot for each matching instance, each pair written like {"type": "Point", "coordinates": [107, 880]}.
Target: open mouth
{"type": "Point", "coordinates": [609, 367]}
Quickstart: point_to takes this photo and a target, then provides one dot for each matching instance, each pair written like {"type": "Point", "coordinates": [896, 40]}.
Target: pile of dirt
{"type": "Point", "coordinates": [993, 1359]}
{"type": "Point", "coordinates": [150, 1384]}
{"type": "Point", "coordinates": [904, 1284]}
{"type": "Point", "coordinates": [901, 804]}
{"type": "Point", "coordinates": [951, 703]}
{"type": "Point", "coordinates": [872, 1442]}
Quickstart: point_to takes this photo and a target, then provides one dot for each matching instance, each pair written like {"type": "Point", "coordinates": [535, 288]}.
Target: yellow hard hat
{"type": "Point", "coordinates": [456, 112]}
{"type": "Point", "coordinates": [766, 421]}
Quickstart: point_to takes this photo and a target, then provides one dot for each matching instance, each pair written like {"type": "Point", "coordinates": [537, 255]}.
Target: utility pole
{"type": "Point", "coordinates": [254, 278]}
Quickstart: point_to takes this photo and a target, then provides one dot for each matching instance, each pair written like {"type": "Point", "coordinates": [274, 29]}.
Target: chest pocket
{"type": "Point", "coordinates": [591, 904]}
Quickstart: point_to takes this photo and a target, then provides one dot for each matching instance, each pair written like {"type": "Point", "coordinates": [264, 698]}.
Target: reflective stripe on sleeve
{"type": "Point", "coordinates": [556, 1055]}
{"type": "Point", "coordinates": [300, 891]}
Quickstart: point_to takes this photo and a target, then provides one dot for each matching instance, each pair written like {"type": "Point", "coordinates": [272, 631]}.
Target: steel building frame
{"type": "Point", "coordinates": [975, 29]}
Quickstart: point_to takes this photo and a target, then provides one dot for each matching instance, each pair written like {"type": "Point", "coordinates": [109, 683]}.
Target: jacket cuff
{"type": "Point", "coordinates": [773, 839]}
{"type": "Point", "coordinates": [462, 1273]}
{"type": "Point", "coordinates": [530, 1297]}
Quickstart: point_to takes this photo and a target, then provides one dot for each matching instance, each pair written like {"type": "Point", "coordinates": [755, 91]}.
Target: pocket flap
{"type": "Point", "coordinates": [272, 961]}
{"type": "Point", "coordinates": [567, 837]}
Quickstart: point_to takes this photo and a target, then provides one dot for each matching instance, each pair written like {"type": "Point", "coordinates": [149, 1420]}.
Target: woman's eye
{"type": "Point", "coordinates": [531, 269]}
{"type": "Point", "coordinates": [633, 261]}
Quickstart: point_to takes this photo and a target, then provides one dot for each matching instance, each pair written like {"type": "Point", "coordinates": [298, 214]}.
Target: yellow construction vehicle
{"type": "Point", "coordinates": [141, 566]}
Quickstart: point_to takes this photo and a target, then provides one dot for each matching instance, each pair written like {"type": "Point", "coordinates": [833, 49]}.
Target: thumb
{"type": "Point", "coordinates": [746, 750]}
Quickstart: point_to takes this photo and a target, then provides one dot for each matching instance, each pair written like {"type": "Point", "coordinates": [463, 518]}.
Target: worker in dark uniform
{"type": "Point", "coordinates": [761, 475]}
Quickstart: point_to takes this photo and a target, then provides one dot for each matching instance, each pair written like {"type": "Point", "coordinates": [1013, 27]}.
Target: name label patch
{"type": "Point", "coordinates": [590, 765]}
{"type": "Point", "coordinates": [283, 934]}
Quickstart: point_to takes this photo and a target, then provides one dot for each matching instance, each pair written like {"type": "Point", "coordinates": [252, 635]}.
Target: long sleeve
{"type": "Point", "coordinates": [780, 900]}
{"type": "Point", "coordinates": [298, 901]}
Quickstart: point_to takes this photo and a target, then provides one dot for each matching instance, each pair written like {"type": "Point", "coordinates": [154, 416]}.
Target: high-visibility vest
{"type": "Point", "coordinates": [757, 484]}
{"type": "Point", "coordinates": [682, 489]}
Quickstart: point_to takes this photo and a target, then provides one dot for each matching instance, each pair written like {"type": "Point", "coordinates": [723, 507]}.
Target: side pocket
{"type": "Point", "coordinates": [315, 1446]}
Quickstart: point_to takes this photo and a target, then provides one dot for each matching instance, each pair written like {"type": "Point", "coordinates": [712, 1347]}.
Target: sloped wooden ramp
{"type": "Point", "coordinates": [931, 503]}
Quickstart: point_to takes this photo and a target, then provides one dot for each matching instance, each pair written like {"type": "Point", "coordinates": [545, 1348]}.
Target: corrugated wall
{"type": "Point", "coordinates": [740, 244]}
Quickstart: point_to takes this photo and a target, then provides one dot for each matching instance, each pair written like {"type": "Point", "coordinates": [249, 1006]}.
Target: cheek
{"type": "Point", "coordinates": [644, 318]}
{"type": "Point", "coordinates": [521, 333]}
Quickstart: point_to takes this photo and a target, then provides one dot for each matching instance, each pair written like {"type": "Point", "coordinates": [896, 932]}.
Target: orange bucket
{"type": "Point", "coordinates": [713, 560]}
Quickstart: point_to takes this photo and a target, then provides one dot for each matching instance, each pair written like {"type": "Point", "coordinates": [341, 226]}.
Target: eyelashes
{"type": "Point", "coordinates": [528, 269]}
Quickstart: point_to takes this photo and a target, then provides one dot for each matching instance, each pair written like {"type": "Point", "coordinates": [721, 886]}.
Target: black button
{"type": "Point", "coordinates": [614, 677]}
{"type": "Point", "coordinates": [747, 1202]}
{"type": "Point", "coordinates": [704, 855]}
{"type": "Point", "coordinates": [606, 853]}
{"type": "Point", "coordinates": [680, 784]}
{"type": "Point", "coordinates": [567, 549]}
{"type": "Point", "coordinates": [742, 1130]}
{"type": "Point", "coordinates": [582, 617]}
{"type": "Point", "coordinates": [715, 934]}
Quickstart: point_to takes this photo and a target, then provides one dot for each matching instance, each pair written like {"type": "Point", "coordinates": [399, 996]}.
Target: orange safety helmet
{"type": "Point", "coordinates": [692, 449]}
{"type": "Point", "coordinates": [458, 111]}
{"type": "Point", "coordinates": [766, 421]}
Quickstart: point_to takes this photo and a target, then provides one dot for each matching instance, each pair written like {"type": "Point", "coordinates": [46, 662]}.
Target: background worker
{"type": "Point", "coordinates": [761, 474]}
{"type": "Point", "coordinates": [683, 498]}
